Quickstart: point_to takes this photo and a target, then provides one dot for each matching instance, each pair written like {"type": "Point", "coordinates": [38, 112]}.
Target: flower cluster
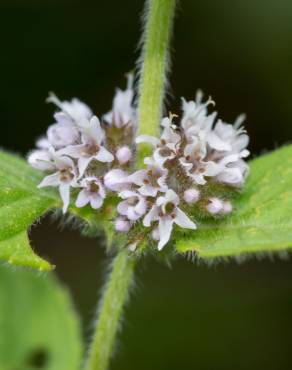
{"type": "Point", "coordinates": [195, 167]}
{"type": "Point", "coordinates": [79, 149]}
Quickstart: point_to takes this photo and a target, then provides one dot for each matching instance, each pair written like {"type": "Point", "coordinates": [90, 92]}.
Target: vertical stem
{"type": "Point", "coordinates": [110, 310]}
{"type": "Point", "coordinates": [154, 61]}
{"type": "Point", "coordinates": [154, 64]}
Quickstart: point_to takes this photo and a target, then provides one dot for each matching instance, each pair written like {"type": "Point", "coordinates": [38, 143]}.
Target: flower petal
{"type": "Point", "coordinates": [96, 201]}
{"type": "Point", "coordinates": [141, 206]}
{"type": "Point", "coordinates": [217, 143]}
{"type": "Point", "coordinates": [152, 215]}
{"type": "Point", "coordinates": [51, 180]}
{"type": "Point", "coordinates": [74, 151]}
{"type": "Point", "coordinates": [148, 190]}
{"type": "Point", "coordinates": [63, 161]}
{"type": "Point", "coordinates": [104, 155]}
{"type": "Point", "coordinates": [132, 215]}
{"type": "Point", "coordinates": [64, 190]}
{"type": "Point", "coordinates": [171, 196]}
{"type": "Point", "coordinates": [122, 208]}
{"type": "Point", "coordinates": [83, 163]}
{"type": "Point", "coordinates": [183, 220]}
{"type": "Point", "coordinates": [232, 175]}
{"type": "Point", "coordinates": [82, 199]}
{"type": "Point", "coordinates": [41, 160]}
{"type": "Point", "coordinates": [115, 179]}
{"type": "Point", "coordinates": [137, 177]}
{"type": "Point", "coordinates": [164, 230]}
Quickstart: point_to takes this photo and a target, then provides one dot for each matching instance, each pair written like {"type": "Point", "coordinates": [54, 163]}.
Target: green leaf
{"type": "Point", "coordinates": [262, 220]}
{"type": "Point", "coordinates": [21, 204]}
{"type": "Point", "coordinates": [38, 327]}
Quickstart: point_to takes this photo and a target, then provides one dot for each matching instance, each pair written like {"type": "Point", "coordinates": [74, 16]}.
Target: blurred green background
{"type": "Point", "coordinates": [240, 52]}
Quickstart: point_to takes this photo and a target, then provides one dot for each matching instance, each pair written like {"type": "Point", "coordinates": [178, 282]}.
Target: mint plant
{"type": "Point", "coordinates": [177, 182]}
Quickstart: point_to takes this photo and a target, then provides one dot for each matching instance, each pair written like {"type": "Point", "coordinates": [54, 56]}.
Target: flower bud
{"type": "Point", "coordinates": [215, 206]}
{"type": "Point", "coordinates": [155, 234]}
{"type": "Point", "coordinates": [132, 247]}
{"type": "Point", "coordinates": [191, 195]}
{"type": "Point", "coordinates": [227, 207]}
{"type": "Point", "coordinates": [122, 225]}
{"type": "Point", "coordinates": [124, 154]}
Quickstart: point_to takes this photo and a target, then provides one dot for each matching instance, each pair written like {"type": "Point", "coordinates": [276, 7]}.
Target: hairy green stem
{"type": "Point", "coordinates": [154, 65]}
{"type": "Point", "coordinates": [110, 311]}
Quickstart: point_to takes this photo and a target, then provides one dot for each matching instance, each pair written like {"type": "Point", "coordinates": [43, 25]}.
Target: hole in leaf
{"type": "Point", "coordinates": [38, 359]}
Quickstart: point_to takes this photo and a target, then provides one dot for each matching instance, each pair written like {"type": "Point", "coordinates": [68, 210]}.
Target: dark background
{"type": "Point", "coordinates": [240, 52]}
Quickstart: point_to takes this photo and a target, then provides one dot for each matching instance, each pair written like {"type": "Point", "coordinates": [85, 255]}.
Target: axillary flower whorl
{"type": "Point", "coordinates": [195, 168]}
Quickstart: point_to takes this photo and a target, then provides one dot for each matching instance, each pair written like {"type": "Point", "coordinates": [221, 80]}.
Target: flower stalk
{"type": "Point", "coordinates": [110, 311]}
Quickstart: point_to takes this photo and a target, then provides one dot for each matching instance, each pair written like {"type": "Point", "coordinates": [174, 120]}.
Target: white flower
{"type": "Point", "coordinates": [116, 179]}
{"type": "Point", "coordinates": [122, 112]}
{"type": "Point", "coordinates": [150, 181]}
{"type": "Point", "coordinates": [91, 147]}
{"type": "Point", "coordinates": [133, 206]}
{"type": "Point", "coordinates": [71, 111]}
{"type": "Point", "coordinates": [196, 166]}
{"type": "Point", "coordinates": [232, 170]}
{"type": "Point", "coordinates": [167, 212]}
{"type": "Point", "coordinates": [93, 192]}
{"type": "Point", "coordinates": [167, 146]}
{"type": "Point", "coordinates": [64, 178]}
{"type": "Point", "coordinates": [41, 160]}
{"type": "Point", "coordinates": [124, 155]}
{"type": "Point", "coordinates": [195, 116]}
{"type": "Point", "coordinates": [229, 138]}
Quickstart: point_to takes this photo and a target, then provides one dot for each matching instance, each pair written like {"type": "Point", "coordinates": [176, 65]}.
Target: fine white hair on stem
{"type": "Point", "coordinates": [154, 62]}
{"type": "Point", "coordinates": [115, 293]}
{"type": "Point", "coordinates": [139, 63]}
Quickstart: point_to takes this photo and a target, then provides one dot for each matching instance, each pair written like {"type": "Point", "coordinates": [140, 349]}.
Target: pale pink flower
{"type": "Point", "coordinates": [133, 206]}
{"type": "Point", "coordinates": [166, 212]}
{"type": "Point", "coordinates": [195, 166]}
{"type": "Point", "coordinates": [195, 116]}
{"type": "Point", "coordinates": [229, 138]}
{"type": "Point", "coordinates": [151, 180]}
{"type": "Point", "coordinates": [64, 178]}
{"type": "Point", "coordinates": [91, 147]}
{"type": "Point", "coordinates": [71, 111]}
{"type": "Point", "coordinates": [93, 192]}
{"type": "Point", "coordinates": [167, 146]}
